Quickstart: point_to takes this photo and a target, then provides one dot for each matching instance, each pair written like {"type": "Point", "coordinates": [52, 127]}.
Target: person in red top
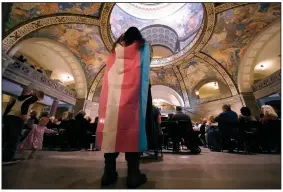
{"type": "Point", "coordinates": [268, 113]}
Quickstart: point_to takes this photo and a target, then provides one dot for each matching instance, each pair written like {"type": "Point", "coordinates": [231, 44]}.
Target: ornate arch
{"type": "Point", "coordinates": [205, 58]}
{"type": "Point", "coordinates": [182, 85]}
{"type": "Point", "coordinates": [17, 34]}
{"type": "Point", "coordinates": [67, 56]}
{"type": "Point", "coordinates": [26, 28]}
{"type": "Point", "coordinates": [182, 56]}
{"type": "Point", "coordinates": [247, 64]}
{"type": "Point", "coordinates": [97, 79]}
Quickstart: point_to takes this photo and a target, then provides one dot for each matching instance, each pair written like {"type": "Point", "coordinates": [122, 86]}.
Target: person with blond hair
{"type": "Point", "coordinates": [34, 140]}
{"type": "Point", "coordinates": [268, 113]}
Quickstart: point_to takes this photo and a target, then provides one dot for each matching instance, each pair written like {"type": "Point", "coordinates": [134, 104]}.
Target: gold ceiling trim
{"type": "Point", "coordinates": [97, 79]}
{"type": "Point", "coordinates": [14, 36]}
{"type": "Point", "coordinates": [209, 22]}
{"type": "Point", "coordinates": [182, 85]}
{"type": "Point", "coordinates": [105, 28]}
{"type": "Point", "coordinates": [221, 70]}
{"type": "Point", "coordinates": [227, 6]}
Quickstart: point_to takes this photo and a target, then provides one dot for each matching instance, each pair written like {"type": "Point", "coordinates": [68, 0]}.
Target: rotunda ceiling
{"type": "Point", "coordinates": [172, 25]}
{"type": "Point", "coordinates": [182, 33]}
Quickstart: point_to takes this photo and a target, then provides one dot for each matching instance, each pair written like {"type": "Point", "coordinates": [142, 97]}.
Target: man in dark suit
{"type": "Point", "coordinates": [182, 130]}
{"type": "Point", "coordinates": [228, 125]}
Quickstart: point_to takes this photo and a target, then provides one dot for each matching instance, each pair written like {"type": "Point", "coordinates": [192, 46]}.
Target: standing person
{"type": "Point", "coordinates": [14, 117]}
{"type": "Point", "coordinates": [122, 110]}
{"type": "Point", "coordinates": [83, 126]}
{"type": "Point", "coordinates": [34, 140]}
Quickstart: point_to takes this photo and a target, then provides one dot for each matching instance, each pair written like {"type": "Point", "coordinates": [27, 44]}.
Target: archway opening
{"type": "Point", "coordinates": [208, 90]}
{"type": "Point", "coordinates": [163, 95]}
{"type": "Point", "coordinates": [53, 60]}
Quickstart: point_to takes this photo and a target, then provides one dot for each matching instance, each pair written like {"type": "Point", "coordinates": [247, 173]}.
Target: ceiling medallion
{"type": "Point", "coordinates": [111, 29]}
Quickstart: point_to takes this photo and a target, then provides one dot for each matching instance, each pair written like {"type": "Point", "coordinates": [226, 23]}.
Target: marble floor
{"type": "Point", "coordinates": [209, 170]}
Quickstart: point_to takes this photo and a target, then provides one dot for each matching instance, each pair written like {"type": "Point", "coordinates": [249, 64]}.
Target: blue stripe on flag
{"type": "Point", "coordinates": [144, 81]}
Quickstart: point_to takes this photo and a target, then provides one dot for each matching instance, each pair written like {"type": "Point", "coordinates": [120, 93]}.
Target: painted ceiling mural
{"type": "Point", "coordinates": [24, 11]}
{"type": "Point", "coordinates": [235, 28]}
{"type": "Point", "coordinates": [83, 40]}
{"type": "Point", "coordinates": [194, 71]}
{"type": "Point", "coordinates": [166, 77]}
{"type": "Point", "coordinates": [190, 17]}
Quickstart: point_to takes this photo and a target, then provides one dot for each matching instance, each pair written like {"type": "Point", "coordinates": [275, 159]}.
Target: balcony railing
{"type": "Point", "coordinates": [267, 81]}
{"type": "Point", "coordinates": [25, 75]}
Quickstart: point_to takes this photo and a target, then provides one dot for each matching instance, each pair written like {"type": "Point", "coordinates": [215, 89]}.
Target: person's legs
{"type": "Point", "coordinates": [214, 137]}
{"type": "Point", "coordinates": [32, 154]}
{"type": "Point", "coordinates": [135, 178]}
{"type": "Point", "coordinates": [13, 127]}
{"type": "Point", "coordinates": [110, 174]}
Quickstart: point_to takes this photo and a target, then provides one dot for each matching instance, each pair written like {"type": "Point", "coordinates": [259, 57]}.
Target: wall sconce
{"type": "Point", "coordinates": [197, 93]}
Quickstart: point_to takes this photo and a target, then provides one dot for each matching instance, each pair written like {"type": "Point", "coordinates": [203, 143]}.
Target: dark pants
{"type": "Point", "coordinates": [132, 158]}
{"type": "Point", "coordinates": [12, 133]}
{"type": "Point", "coordinates": [214, 137]}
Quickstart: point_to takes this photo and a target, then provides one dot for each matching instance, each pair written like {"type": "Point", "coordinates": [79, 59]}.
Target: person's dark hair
{"type": "Point", "coordinates": [227, 107]}
{"type": "Point", "coordinates": [170, 115]}
{"type": "Point", "coordinates": [43, 114]}
{"type": "Point", "coordinates": [70, 116]}
{"type": "Point", "coordinates": [178, 108]}
{"type": "Point", "coordinates": [129, 37]}
{"type": "Point", "coordinates": [81, 115]}
{"type": "Point", "coordinates": [246, 111]}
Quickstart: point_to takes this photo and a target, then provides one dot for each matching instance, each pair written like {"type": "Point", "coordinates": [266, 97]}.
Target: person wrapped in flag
{"type": "Point", "coordinates": [122, 109]}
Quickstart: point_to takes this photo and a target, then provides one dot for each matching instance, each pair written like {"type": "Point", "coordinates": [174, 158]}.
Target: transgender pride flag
{"type": "Point", "coordinates": [123, 101]}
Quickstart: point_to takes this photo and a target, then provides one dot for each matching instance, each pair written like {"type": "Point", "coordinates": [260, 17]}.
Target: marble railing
{"type": "Point", "coordinates": [267, 81]}
{"type": "Point", "coordinates": [208, 99]}
{"type": "Point", "coordinates": [25, 75]}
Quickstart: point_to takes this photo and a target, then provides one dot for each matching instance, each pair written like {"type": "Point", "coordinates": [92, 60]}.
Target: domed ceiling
{"type": "Point", "coordinates": [207, 40]}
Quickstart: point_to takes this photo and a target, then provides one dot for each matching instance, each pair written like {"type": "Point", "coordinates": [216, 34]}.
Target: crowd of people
{"type": "Point", "coordinates": [73, 131]}
{"type": "Point", "coordinates": [218, 133]}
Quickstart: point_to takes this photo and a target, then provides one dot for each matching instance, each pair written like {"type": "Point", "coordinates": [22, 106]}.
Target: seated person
{"type": "Point", "coordinates": [181, 131]}
{"type": "Point", "coordinates": [246, 114]}
{"type": "Point", "coordinates": [268, 113]}
{"type": "Point", "coordinates": [212, 134]}
{"type": "Point", "coordinates": [203, 132]}
{"type": "Point", "coordinates": [228, 125]}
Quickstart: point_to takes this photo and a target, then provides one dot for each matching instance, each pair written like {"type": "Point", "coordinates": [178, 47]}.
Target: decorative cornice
{"type": "Point", "coordinates": [18, 33]}
{"type": "Point", "coordinates": [182, 85]}
{"type": "Point", "coordinates": [221, 70]}
{"type": "Point", "coordinates": [275, 77]}
{"type": "Point", "coordinates": [227, 6]}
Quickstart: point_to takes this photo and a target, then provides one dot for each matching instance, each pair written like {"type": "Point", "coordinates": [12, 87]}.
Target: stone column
{"type": "Point", "coordinates": [249, 101]}
{"type": "Point", "coordinates": [54, 107]}
{"type": "Point", "coordinates": [80, 105]}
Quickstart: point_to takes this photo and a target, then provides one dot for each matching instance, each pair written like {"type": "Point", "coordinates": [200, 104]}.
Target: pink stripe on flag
{"type": "Point", "coordinates": [103, 102]}
{"type": "Point", "coordinates": [128, 120]}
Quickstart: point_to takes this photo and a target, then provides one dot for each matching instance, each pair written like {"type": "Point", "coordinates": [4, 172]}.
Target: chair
{"type": "Point", "coordinates": [270, 135]}
{"type": "Point", "coordinates": [247, 140]}
{"type": "Point", "coordinates": [189, 135]}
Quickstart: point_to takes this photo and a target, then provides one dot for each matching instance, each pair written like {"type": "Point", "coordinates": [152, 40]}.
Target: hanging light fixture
{"type": "Point", "coordinates": [197, 93]}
